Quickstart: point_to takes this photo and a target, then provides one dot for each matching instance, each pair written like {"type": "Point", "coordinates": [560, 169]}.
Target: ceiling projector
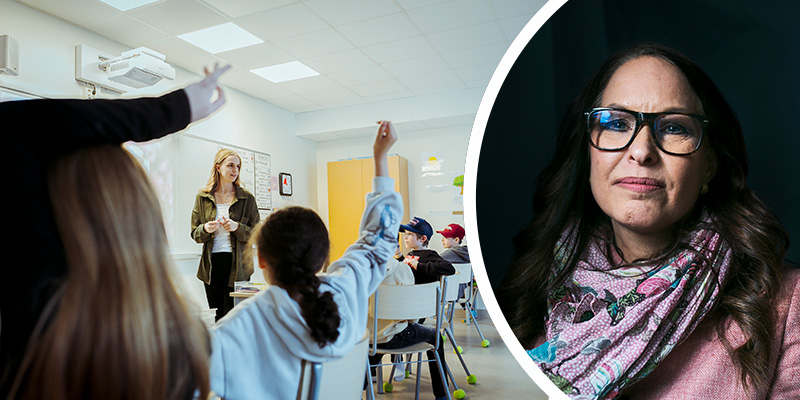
{"type": "Point", "coordinates": [138, 68]}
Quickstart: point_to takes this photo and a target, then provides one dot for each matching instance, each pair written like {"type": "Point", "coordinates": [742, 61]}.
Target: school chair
{"type": "Point", "coordinates": [407, 302]}
{"type": "Point", "coordinates": [468, 301]}
{"type": "Point", "coordinates": [450, 284]}
{"type": "Point", "coordinates": [339, 379]}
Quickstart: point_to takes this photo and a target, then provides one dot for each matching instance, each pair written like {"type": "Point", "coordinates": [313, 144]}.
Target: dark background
{"type": "Point", "coordinates": [750, 49]}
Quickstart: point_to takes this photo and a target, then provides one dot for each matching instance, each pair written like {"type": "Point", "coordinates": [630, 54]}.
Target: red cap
{"type": "Point", "coordinates": [453, 230]}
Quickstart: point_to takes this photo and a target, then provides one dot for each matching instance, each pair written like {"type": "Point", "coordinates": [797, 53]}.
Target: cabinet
{"type": "Point", "coordinates": [348, 182]}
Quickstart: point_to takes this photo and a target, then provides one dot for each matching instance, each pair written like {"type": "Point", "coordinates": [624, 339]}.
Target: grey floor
{"type": "Point", "coordinates": [498, 373]}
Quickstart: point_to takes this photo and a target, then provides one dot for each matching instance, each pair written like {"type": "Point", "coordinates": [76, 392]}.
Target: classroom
{"type": "Point", "coordinates": [424, 65]}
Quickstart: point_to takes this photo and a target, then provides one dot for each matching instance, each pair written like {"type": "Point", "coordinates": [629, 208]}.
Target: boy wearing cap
{"type": "Point", "coordinates": [427, 265]}
{"type": "Point", "coordinates": [452, 236]}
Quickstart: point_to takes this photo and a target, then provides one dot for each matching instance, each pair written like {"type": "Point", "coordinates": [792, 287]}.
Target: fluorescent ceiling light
{"type": "Point", "coordinates": [125, 5]}
{"type": "Point", "coordinates": [221, 38]}
{"type": "Point", "coordinates": [285, 72]}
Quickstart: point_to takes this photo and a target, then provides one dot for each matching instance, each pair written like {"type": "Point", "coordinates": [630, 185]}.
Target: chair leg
{"type": "Point", "coordinates": [450, 374]}
{"type": "Point", "coordinates": [449, 334]}
{"type": "Point", "coordinates": [419, 373]}
{"type": "Point", "coordinates": [470, 306]}
{"type": "Point", "coordinates": [371, 391]}
{"type": "Point", "coordinates": [441, 374]}
{"type": "Point", "coordinates": [380, 378]}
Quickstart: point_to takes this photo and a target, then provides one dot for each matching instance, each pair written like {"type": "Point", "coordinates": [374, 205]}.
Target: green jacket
{"type": "Point", "coordinates": [243, 210]}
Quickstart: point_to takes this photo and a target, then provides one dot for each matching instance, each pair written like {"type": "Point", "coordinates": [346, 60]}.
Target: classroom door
{"type": "Point", "coordinates": [348, 182]}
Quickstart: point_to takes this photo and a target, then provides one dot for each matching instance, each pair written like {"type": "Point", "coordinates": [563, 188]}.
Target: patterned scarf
{"type": "Point", "coordinates": [610, 326]}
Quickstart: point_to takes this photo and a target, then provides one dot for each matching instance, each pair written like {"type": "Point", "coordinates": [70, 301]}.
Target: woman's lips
{"type": "Point", "coordinates": [640, 185]}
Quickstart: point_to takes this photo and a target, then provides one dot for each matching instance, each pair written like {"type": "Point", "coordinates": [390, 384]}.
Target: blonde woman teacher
{"type": "Point", "coordinates": [223, 217]}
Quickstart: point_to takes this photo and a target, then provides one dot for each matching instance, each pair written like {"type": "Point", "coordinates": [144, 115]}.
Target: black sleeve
{"type": "Point", "coordinates": [35, 132]}
{"type": "Point", "coordinates": [58, 126]}
{"type": "Point", "coordinates": [434, 265]}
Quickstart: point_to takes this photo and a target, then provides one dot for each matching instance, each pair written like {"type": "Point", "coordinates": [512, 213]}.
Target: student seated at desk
{"type": "Point", "coordinates": [258, 347]}
{"type": "Point", "coordinates": [427, 264]}
{"type": "Point", "coordinates": [455, 250]}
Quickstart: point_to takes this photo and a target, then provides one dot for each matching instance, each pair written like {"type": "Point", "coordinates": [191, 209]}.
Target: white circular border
{"type": "Point", "coordinates": [470, 178]}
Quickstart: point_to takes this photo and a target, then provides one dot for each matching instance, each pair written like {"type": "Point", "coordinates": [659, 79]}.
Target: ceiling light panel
{"type": "Point", "coordinates": [125, 5]}
{"type": "Point", "coordinates": [221, 38]}
{"type": "Point", "coordinates": [285, 72]}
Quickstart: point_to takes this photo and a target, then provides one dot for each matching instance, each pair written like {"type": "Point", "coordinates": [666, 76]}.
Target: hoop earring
{"type": "Point", "coordinates": [704, 188]}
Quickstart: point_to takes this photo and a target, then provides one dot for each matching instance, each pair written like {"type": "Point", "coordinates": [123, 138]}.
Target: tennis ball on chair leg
{"type": "Point", "coordinates": [485, 343]}
{"type": "Point", "coordinates": [472, 379]}
{"type": "Point", "coordinates": [387, 387]}
{"type": "Point", "coordinates": [459, 394]}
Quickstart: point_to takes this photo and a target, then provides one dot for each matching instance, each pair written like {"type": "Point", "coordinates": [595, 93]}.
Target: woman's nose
{"type": "Point", "coordinates": [643, 149]}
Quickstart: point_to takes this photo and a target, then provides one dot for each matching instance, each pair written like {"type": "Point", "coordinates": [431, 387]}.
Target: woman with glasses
{"type": "Point", "coordinates": [650, 269]}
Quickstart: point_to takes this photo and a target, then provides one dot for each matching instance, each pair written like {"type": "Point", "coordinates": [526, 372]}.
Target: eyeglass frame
{"type": "Point", "coordinates": [641, 119]}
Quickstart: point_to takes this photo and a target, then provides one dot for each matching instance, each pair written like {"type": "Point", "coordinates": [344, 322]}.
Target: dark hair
{"type": "Point", "coordinates": [563, 201]}
{"type": "Point", "coordinates": [294, 242]}
{"type": "Point", "coordinates": [420, 236]}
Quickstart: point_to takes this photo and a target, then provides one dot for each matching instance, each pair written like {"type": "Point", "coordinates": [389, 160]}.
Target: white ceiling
{"type": "Point", "coordinates": [366, 51]}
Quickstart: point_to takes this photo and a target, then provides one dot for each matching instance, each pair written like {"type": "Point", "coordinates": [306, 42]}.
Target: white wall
{"type": "Point", "coordinates": [47, 68]}
{"type": "Point", "coordinates": [425, 199]}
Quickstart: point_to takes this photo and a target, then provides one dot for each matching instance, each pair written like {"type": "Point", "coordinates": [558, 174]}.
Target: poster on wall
{"type": "Point", "coordinates": [432, 163]}
{"type": "Point", "coordinates": [263, 185]}
{"type": "Point", "coordinates": [457, 186]}
{"type": "Point", "coordinates": [155, 158]}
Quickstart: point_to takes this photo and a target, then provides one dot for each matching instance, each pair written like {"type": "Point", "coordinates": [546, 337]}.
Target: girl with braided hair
{"type": "Point", "coordinates": [257, 349]}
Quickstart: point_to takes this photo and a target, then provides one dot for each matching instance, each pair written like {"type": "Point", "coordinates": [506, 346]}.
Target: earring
{"type": "Point", "coordinates": [704, 188]}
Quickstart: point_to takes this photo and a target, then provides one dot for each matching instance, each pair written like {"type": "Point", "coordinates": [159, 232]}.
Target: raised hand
{"type": "Point", "coordinates": [200, 93]}
{"type": "Point", "coordinates": [384, 140]}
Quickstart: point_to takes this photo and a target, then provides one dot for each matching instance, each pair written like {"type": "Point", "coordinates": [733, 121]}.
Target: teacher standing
{"type": "Point", "coordinates": [223, 217]}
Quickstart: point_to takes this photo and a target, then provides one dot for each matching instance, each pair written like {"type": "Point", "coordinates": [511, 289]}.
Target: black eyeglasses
{"type": "Point", "coordinates": [613, 129]}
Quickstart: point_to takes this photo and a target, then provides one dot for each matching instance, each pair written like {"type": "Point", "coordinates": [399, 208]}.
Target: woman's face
{"type": "Point", "coordinates": [229, 169]}
{"type": "Point", "coordinates": [642, 189]}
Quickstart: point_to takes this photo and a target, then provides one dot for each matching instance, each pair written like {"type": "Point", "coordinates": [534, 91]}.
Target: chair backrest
{"type": "Point", "coordinates": [407, 301]}
{"type": "Point", "coordinates": [462, 275]}
{"type": "Point", "coordinates": [465, 270]}
{"type": "Point", "coordinates": [339, 379]}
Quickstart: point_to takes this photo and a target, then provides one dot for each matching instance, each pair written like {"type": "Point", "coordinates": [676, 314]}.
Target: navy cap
{"type": "Point", "coordinates": [418, 225]}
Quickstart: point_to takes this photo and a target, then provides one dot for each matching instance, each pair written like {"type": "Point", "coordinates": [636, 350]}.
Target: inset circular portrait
{"type": "Point", "coordinates": [635, 177]}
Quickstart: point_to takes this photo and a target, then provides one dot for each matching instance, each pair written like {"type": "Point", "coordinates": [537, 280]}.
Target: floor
{"type": "Point", "coordinates": [498, 373]}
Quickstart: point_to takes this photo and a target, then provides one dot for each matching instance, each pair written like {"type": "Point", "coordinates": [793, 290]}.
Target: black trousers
{"type": "Point", "coordinates": [416, 333]}
{"type": "Point", "coordinates": [218, 293]}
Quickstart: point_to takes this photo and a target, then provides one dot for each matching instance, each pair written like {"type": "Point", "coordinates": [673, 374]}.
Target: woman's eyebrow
{"type": "Point", "coordinates": [683, 110]}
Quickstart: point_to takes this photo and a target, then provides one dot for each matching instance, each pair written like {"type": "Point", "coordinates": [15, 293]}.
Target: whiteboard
{"type": "Point", "coordinates": [180, 164]}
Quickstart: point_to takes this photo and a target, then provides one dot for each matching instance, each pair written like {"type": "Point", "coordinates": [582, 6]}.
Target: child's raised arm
{"type": "Point", "coordinates": [383, 142]}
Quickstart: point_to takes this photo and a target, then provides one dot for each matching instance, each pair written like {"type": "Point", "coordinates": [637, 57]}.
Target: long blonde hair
{"type": "Point", "coordinates": [117, 327]}
{"type": "Point", "coordinates": [213, 180]}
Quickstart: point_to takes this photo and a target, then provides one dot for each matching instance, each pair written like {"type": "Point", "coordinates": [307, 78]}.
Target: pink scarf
{"type": "Point", "coordinates": [610, 326]}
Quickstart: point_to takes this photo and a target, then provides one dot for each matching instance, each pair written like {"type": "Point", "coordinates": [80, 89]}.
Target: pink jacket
{"type": "Point", "coordinates": [700, 367]}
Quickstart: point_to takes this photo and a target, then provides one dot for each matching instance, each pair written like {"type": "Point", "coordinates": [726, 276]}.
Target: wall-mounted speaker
{"type": "Point", "coordinates": [9, 55]}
